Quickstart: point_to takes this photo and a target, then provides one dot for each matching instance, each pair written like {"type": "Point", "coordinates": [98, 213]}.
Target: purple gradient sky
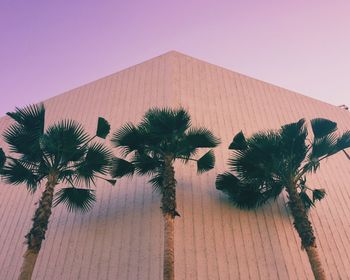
{"type": "Point", "coordinates": [48, 47]}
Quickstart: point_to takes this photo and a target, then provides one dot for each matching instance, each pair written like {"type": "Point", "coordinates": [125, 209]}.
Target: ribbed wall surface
{"type": "Point", "coordinates": [121, 238]}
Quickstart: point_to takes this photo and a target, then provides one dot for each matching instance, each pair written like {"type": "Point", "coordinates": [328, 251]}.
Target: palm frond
{"type": "Point", "coordinates": [66, 175]}
{"type": "Point", "coordinates": [64, 141]}
{"type": "Point", "coordinates": [322, 127]}
{"type": "Point", "coordinates": [145, 164]}
{"type": "Point", "coordinates": [166, 121]}
{"type": "Point", "coordinates": [343, 141]}
{"type": "Point", "coordinates": [306, 200]}
{"type": "Point", "coordinates": [226, 181]}
{"type": "Point", "coordinates": [318, 194]}
{"type": "Point", "coordinates": [206, 162]}
{"type": "Point", "coordinates": [32, 116]}
{"type": "Point", "coordinates": [289, 131]}
{"type": "Point", "coordinates": [2, 159]}
{"type": "Point", "coordinates": [103, 128]}
{"type": "Point", "coordinates": [238, 142]}
{"type": "Point", "coordinates": [323, 146]}
{"type": "Point", "coordinates": [15, 172]}
{"type": "Point", "coordinates": [292, 144]}
{"type": "Point", "coordinates": [129, 138]}
{"type": "Point", "coordinates": [24, 136]}
{"type": "Point", "coordinates": [111, 181]}
{"type": "Point", "coordinates": [75, 199]}
{"type": "Point", "coordinates": [201, 138]}
{"type": "Point", "coordinates": [261, 159]}
{"type": "Point", "coordinates": [157, 182]}
{"type": "Point", "coordinates": [243, 195]}
{"type": "Point", "coordinates": [97, 161]}
{"type": "Point", "coordinates": [121, 168]}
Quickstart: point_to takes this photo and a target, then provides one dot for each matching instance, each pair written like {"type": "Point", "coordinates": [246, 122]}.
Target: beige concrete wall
{"type": "Point", "coordinates": [121, 238]}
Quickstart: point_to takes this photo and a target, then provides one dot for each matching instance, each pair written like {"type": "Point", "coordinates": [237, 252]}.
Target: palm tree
{"type": "Point", "coordinates": [163, 136]}
{"type": "Point", "coordinates": [63, 153]}
{"type": "Point", "coordinates": [269, 162]}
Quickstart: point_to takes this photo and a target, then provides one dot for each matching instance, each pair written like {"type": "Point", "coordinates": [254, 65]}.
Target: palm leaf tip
{"type": "Point", "coordinates": [103, 128]}
{"type": "Point", "coordinates": [111, 181]}
{"type": "Point", "coordinates": [239, 142]}
{"type": "Point", "coordinates": [206, 162]}
{"type": "Point", "coordinates": [322, 127]}
{"type": "Point", "coordinates": [76, 199]}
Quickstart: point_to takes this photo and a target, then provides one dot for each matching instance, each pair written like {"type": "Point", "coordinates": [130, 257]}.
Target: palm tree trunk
{"type": "Point", "coordinates": [305, 231]}
{"type": "Point", "coordinates": [36, 234]}
{"type": "Point", "coordinates": [169, 213]}
{"type": "Point", "coordinates": [168, 263]}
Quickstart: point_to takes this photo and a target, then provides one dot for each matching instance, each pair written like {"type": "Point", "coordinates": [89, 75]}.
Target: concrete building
{"type": "Point", "coordinates": [121, 238]}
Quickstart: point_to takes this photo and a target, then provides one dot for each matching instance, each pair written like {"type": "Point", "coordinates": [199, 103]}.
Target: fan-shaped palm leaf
{"type": "Point", "coordinates": [343, 141]}
{"type": "Point", "coordinates": [76, 199]}
{"type": "Point", "coordinates": [64, 141]}
{"type": "Point", "coordinates": [201, 138]}
{"type": "Point", "coordinates": [23, 136]}
{"type": "Point", "coordinates": [322, 127]}
{"type": "Point", "coordinates": [226, 181]}
{"type": "Point", "coordinates": [15, 173]}
{"type": "Point", "coordinates": [165, 122]}
{"type": "Point", "coordinates": [103, 128]}
{"type": "Point", "coordinates": [318, 194]}
{"type": "Point", "coordinates": [244, 196]}
{"type": "Point", "coordinates": [323, 146]}
{"type": "Point", "coordinates": [306, 200]}
{"type": "Point", "coordinates": [128, 138]}
{"type": "Point", "coordinates": [238, 142]}
{"type": "Point", "coordinates": [206, 162]}
{"type": "Point", "coordinates": [121, 168]}
{"type": "Point", "coordinates": [32, 116]}
{"type": "Point", "coordinates": [145, 164]}
{"type": "Point", "coordinates": [292, 129]}
{"type": "Point", "coordinates": [97, 160]}
{"type": "Point", "coordinates": [292, 144]}
{"type": "Point", "coordinates": [157, 182]}
{"type": "Point", "coordinates": [258, 160]}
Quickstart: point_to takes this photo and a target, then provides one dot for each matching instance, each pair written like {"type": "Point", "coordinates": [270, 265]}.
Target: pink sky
{"type": "Point", "coordinates": [48, 47]}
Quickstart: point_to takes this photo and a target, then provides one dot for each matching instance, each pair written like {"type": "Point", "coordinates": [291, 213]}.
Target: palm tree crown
{"type": "Point", "coordinates": [162, 134]}
{"type": "Point", "coordinates": [268, 162]}
{"type": "Point", "coordinates": [63, 149]}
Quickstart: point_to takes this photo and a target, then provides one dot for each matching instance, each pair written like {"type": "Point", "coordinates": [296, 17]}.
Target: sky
{"type": "Point", "coordinates": [49, 47]}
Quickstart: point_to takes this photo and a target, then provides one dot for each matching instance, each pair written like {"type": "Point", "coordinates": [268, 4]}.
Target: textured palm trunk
{"type": "Point", "coordinates": [36, 234]}
{"type": "Point", "coordinates": [305, 231]}
{"type": "Point", "coordinates": [169, 213]}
